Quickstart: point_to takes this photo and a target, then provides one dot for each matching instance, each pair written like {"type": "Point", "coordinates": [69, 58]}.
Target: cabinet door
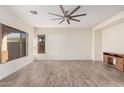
{"type": "Point", "coordinates": [119, 64]}
{"type": "Point", "coordinates": [105, 59]}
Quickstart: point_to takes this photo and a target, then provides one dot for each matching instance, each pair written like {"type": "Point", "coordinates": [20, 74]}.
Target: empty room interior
{"type": "Point", "coordinates": [61, 45]}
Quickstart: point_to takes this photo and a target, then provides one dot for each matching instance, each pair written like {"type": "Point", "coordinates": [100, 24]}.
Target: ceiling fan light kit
{"type": "Point", "coordinates": [67, 15]}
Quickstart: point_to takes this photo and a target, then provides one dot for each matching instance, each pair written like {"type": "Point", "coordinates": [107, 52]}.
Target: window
{"type": "Point", "coordinates": [41, 43]}
{"type": "Point", "coordinates": [13, 43]}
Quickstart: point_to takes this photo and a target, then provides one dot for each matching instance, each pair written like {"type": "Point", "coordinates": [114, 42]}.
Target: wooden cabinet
{"type": "Point", "coordinates": [114, 60]}
{"type": "Point", "coordinates": [120, 64]}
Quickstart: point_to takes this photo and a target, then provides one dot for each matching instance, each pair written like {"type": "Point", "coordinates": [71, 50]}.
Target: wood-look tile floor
{"type": "Point", "coordinates": [65, 74]}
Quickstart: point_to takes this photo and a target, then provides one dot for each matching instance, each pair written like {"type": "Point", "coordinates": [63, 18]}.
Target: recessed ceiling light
{"type": "Point", "coordinates": [33, 12]}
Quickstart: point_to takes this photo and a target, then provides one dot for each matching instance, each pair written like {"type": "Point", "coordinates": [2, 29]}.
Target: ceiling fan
{"type": "Point", "coordinates": [67, 15]}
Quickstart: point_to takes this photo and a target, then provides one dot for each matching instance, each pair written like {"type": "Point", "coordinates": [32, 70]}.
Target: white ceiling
{"type": "Point", "coordinates": [95, 14]}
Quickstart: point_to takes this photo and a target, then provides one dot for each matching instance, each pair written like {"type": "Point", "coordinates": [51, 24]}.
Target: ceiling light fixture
{"type": "Point", "coordinates": [68, 15]}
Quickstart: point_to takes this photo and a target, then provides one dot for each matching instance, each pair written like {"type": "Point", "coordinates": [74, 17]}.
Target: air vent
{"type": "Point", "coordinates": [33, 12]}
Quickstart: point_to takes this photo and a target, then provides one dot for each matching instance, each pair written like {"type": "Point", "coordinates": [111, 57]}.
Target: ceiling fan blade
{"type": "Point", "coordinates": [56, 14]}
{"type": "Point", "coordinates": [68, 21]}
{"type": "Point", "coordinates": [63, 11]}
{"type": "Point", "coordinates": [78, 15]}
{"type": "Point", "coordinates": [75, 19]}
{"type": "Point", "coordinates": [61, 21]}
{"type": "Point", "coordinates": [57, 18]}
{"type": "Point", "coordinates": [74, 10]}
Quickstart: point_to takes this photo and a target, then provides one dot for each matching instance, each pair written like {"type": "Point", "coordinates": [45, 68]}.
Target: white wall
{"type": "Point", "coordinates": [66, 44]}
{"type": "Point", "coordinates": [97, 45]}
{"type": "Point", "coordinates": [113, 39]}
{"type": "Point", "coordinates": [112, 36]}
{"type": "Point", "coordinates": [10, 19]}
